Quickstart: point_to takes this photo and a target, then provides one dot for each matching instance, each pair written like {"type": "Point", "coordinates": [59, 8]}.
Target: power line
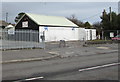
{"type": "Point", "coordinates": [93, 15]}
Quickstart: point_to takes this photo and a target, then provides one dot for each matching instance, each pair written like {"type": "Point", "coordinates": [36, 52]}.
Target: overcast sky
{"type": "Point", "coordinates": [84, 11]}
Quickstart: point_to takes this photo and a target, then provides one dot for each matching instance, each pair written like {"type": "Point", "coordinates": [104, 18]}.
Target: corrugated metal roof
{"type": "Point", "coordinates": [9, 26]}
{"type": "Point", "coordinates": [51, 20]}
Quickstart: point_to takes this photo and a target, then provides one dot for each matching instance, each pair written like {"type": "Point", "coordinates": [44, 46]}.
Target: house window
{"type": "Point", "coordinates": [25, 24]}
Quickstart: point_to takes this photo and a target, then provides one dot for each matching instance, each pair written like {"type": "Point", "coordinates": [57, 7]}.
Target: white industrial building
{"type": "Point", "coordinates": [55, 28]}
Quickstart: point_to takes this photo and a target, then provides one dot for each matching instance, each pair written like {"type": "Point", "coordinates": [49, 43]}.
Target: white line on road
{"type": "Point", "coordinates": [34, 78]}
{"type": "Point", "coordinates": [96, 67]}
{"type": "Point", "coordinates": [103, 47]}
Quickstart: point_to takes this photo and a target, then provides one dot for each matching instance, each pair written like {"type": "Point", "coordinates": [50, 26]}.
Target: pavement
{"type": "Point", "coordinates": [78, 49]}
{"type": "Point", "coordinates": [53, 50]}
{"type": "Point", "coordinates": [12, 56]}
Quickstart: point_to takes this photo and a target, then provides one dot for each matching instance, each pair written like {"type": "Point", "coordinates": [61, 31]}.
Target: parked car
{"type": "Point", "coordinates": [116, 37]}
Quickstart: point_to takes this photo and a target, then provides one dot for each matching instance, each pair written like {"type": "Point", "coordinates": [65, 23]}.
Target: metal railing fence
{"type": "Point", "coordinates": [20, 39]}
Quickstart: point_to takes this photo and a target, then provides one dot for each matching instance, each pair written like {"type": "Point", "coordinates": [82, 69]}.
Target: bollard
{"type": "Point", "coordinates": [62, 43]}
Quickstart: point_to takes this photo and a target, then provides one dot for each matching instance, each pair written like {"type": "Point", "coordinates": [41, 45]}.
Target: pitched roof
{"type": "Point", "coordinates": [51, 20]}
{"type": "Point", "coordinates": [9, 26]}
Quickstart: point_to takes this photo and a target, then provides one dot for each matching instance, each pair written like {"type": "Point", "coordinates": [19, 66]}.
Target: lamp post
{"type": "Point", "coordinates": [6, 16]}
{"type": "Point", "coordinates": [102, 33]}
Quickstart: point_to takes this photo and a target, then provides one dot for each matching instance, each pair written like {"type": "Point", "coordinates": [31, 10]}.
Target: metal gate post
{"type": "Point", "coordinates": [43, 40]}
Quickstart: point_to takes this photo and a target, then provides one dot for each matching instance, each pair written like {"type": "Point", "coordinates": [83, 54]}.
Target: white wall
{"type": "Point", "coordinates": [81, 33]}
{"type": "Point", "coordinates": [90, 34]}
{"type": "Point", "coordinates": [62, 33]}
{"type": "Point", "coordinates": [11, 31]}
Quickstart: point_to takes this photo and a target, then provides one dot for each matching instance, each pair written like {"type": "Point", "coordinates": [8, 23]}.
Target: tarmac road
{"type": "Point", "coordinates": [64, 68]}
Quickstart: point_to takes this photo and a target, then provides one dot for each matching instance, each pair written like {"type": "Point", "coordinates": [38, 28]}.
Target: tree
{"type": "Point", "coordinates": [107, 24]}
{"type": "Point", "coordinates": [75, 20]}
{"type": "Point", "coordinates": [19, 16]}
{"type": "Point", "coordinates": [105, 20]}
{"type": "Point", "coordinates": [87, 25]}
{"type": "Point", "coordinates": [97, 26]}
{"type": "Point", "coordinates": [118, 27]}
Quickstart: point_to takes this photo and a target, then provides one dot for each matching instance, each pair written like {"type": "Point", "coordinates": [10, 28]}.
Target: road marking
{"type": "Point", "coordinates": [103, 47]}
{"type": "Point", "coordinates": [29, 79]}
{"type": "Point", "coordinates": [96, 67]}
{"type": "Point", "coordinates": [34, 78]}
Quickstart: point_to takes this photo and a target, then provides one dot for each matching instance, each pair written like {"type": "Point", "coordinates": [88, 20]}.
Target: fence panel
{"type": "Point", "coordinates": [20, 39]}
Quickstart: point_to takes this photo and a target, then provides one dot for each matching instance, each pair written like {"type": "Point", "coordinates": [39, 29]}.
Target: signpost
{"type": "Point", "coordinates": [111, 34]}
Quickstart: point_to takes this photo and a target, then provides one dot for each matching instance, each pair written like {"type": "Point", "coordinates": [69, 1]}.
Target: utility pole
{"type": "Point", "coordinates": [110, 14]}
{"type": "Point", "coordinates": [6, 16]}
{"type": "Point", "coordinates": [119, 7]}
{"type": "Point", "coordinates": [102, 30]}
